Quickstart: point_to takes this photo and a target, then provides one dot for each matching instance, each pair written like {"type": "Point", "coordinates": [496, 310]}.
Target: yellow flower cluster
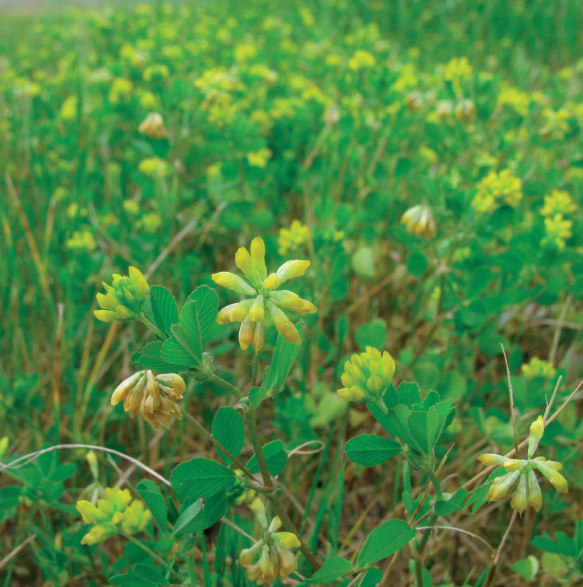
{"type": "Point", "coordinates": [367, 376]}
{"type": "Point", "coordinates": [259, 158]}
{"type": "Point", "coordinates": [520, 474]}
{"type": "Point", "coordinates": [558, 231]}
{"type": "Point", "coordinates": [82, 241]}
{"type": "Point", "coordinates": [514, 99]}
{"type": "Point", "coordinates": [113, 515]}
{"type": "Point", "coordinates": [361, 60]}
{"type": "Point", "coordinates": [558, 202]}
{"type": "Point", "coordinates": [154, 167]}
{"type": "Point", "coordinates": [275, 549]}
{"type": "Point", "coordinates": [293, 238]}
{"type": "Point", "coordinates": [538, 368]}
{"type": "Point", "coordinates": [266, 301]}
{"type": "Point", "coordinates": [124, 299]}
{"type": "Point", "coordinates": [153, 396]}
{"type": "Point", "coordinates": [497, 189]}
{"type": "Point", "coordinates": [458, 68]}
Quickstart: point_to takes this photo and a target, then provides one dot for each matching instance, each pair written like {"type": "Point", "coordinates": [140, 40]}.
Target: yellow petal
{"type": "Point", "coordinates": [105, 315]}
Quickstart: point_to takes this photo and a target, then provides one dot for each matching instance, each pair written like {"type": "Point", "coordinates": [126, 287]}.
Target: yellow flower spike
{"type": "Point", "coordinates": [287, 539]}
{"type": "Point", "coordinates": [257, 311]}
{"type": "Point", "coordinates": [520, 500]}
{"type": "Point", "coordinates": [241, 310]}
{"type": "Point", "coordinates": [224, 316]}
{"type": "Point", "coordinates": [125, 299]}
{"type": "Point", "coordinates": [233, 282]}
{"type": "Point", "coordinates": [537, 429]}
{"type": "Point", "coordinates": [534, 493]}
{"type": "Point", "coordinates": [271, 282]}
{"type": "Point", "coordinates": [283, 324]}
{"type": "Point", "coordinates": [291, 269]}
{"type": "Point", "coordinates": [367, 376]}
{"type": "Point", "coordinates": [246, 333]}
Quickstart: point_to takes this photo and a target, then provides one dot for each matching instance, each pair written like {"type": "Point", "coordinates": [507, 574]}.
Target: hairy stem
{"type": "Point", "coordinates": [226, 385]}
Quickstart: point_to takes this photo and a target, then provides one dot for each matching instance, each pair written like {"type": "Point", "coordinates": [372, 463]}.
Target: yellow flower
{"type": "Point", "coordinates": [515, 99]}
{"type": "Point", "coordinates": [558, 202]}
{"type": "Point", "coordinates": [497, 189]}
{"type": "Point", "coordinates": [293, 238]}
{"type": "Point", "coordinates": [153, 126]}
{"type": "Point", "coordinates": [265, 302]}
{"type": "Point", "coordinates": [367, 376]}
{"type": "Point", "coordinates": [419, 221]}
{"type": "Point", "coordinates": [538, 368]}
{"type": "Point", "coordinates": [458, 68]}
{"type": "Point", "coordinates": [112, 515]}
{"type": "Point", "coordinates": [558, 231]}
{"type": "Point", "coordinates": [124, 299]}
{"type": "Point", "coordinates": [69, 108]}
{"type": "Point", "coordinates": [520, 475]}
{"type": "Point", "coordinates": [361, 60]}
{"type": "Point", "coordinates": [82, 240]}
{"type": "Point", "coordinates": [259, 158]}
{"type": "Point", "coordinates": [154, 167]}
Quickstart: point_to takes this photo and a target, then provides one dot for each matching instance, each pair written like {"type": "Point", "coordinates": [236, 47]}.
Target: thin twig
{"type": "Point", "coordinates": [12, 554]}
{"type": "Point", "coordinates": [494, 566]}
{"type": "Point", "coordinates": [511, 393]}
{"type": "Point", "coordinates": [457, 530]}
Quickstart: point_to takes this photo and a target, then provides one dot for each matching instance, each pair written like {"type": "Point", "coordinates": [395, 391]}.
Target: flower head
{"type": "Point", "coordinates": [558, 230]}
{"type": "Point", "coordinates": [113, 514]}
{"type": "Point", "coordinates": [124, 299]}
{"type": "Point", "coordinates": [419, 221]}
{"type": "Point", "coordinates": [520, 476]}
{"type": "Point", "coordinates": [141, 393]}
{"type": "Point", "coordinates": [497, 189]}
{"type": "Point", "coordinates": [153, 126]}
{"type": "Point", "coordinates": [293, 238]}
{"type": "Point", "coordinates": [265, 301]}
{"type": "Point", "coordinates": [538, 368]}
{"type": "Point", "coordinates": [367, 376]}
{"type": "Point", "coordinates": [276, 559]}
{"type": "Point", "coordinates": [558, 202]}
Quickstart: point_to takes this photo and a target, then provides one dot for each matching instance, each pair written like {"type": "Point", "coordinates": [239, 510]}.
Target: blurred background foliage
{"type": "Point", "coordinates": [316, 125]}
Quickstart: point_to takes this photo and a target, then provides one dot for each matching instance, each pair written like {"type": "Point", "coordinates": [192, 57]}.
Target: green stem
{"type": "Point", "coordinates": [156, 330]}
{"type": "Point", "coordinates": [226, 385]}
{"type": "Point", "coordinates": [153, 555]}
{"type": "Point", "coordinates": [436, 485]}
{"type": "Point", "coordinates": [422, 545]}
{"type": "Point", "coordinates": [273, 500]}
{"type": "Point", "coordinates": [217, 444]}
{"type": "Point", "coordinates": [255, 367]}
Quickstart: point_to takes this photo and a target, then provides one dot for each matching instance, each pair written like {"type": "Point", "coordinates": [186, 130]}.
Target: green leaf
{"type": "Point", "coordinates": [63, 472]}
{"type": "Point", "coordinates": [372, 578]}
{"type": "Point", "coordinates": [140, 576]}
{"type": "Point", "coordinates": [373, 334]}
{"type": "Point", "coordinates": [155, 501]}
{"type": "Point", "coordinates": [417, 263]}
{"type": "Point", "coordinates": [384, 541]}
{"type": "Point", "coordinates": [453, 504]}
{"type": "Point", "coordinates": [150, 357]}
{"type": "Point", "coordinates": [363, 262]}
{"type": "Point", "coordinates": [200, 477]}
{"type": "Point", "coordinates": [207, 307]}
{"type": "Point", "coordinates": [229, 430]}
{"type": "Point", "coordinates": [427, 374]}
{"type": "Point", "coordinates": [369, 449]}
{"type": "Point", "coordinates": [214, 509]}
{"type": "Point", "coordinates": [173, 352]}
{"type": "Point", "coordinates": [527, 568]}
{"type": "Point", "coordinates": [332, 569]}
{"type": "Point", "coordinates": [9, 496]}
{"type": "Point", "coordinates": [408, 393]}
{"type": "Point", "coordinates": [284, 356]}
{"type": "Point", "coordinates": [185, 347]}
{"type": "Point", "coordinates": [275, 456]}
{"type": "Point", "coordinates": [164, 308]}
{"type": "Point", "coordinates": [184, 521]}
{"type": "Point", "coordinates": [257, 395]}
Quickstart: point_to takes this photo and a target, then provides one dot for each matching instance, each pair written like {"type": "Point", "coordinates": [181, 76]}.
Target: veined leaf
{"type": "Point", "coordinates": [384, 541]}
{"type": "Point", "coordinates": [164, 308]}
{"type": "Point", "coordinates": [200, 477]}
{"type": "Point", "coordinates": [369, 449]}
{"type": "Point", "coordinates": [229, 430]}
{"type": "Point", "coordinates": [332, 569]}
{"type": "Point", "coordinates": [275, 456]}
{"type": "Point", "coordinates": [155, 501]}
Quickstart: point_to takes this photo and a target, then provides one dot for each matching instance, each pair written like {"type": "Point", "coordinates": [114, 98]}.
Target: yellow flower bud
{"type": "Point", "coordinates": [283, 324]}
{"type": "Point", "coordinates": [492, 460]}
{"type": "Point", "coordinates": [246, 264]}
{"type": "Point", "coordinates": [224, 316]}
{"type": "Point", "coordinates": [513, 465]}
{"type": "Point", "coordinates": [258, 254]}
{"type": "Point", "coordinates": [125, 387]}
{"type": "Point", "coordinates": [257, 311]}
{"type": "Point", "coordinates": [291, 269]}
{"type": "Point", "coordinates": [234, 282]}
{"type": "Point", "coordinates": [287, 539]}
{"type": "Point", "coordinates": [534, 493]}
{"type": "Point", "coordinates": [271, 282]}
{"type": "Point", "coordinates": [246, 333]}
{"type": "Point", "coordinates": [105, 315]}
{"type": "Point", "coordinates": [241, 310]}
{"type": "Point", "coordinates": [537, 429]}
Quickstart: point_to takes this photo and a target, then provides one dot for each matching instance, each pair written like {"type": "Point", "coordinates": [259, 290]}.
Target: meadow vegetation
{"type": "Point", "coordinates": [291, 293]}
